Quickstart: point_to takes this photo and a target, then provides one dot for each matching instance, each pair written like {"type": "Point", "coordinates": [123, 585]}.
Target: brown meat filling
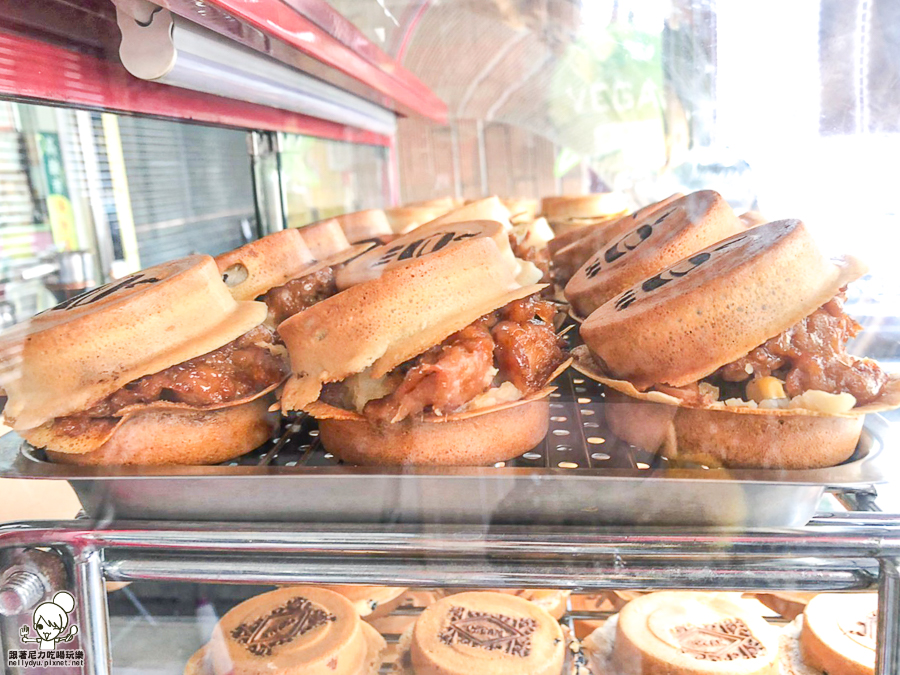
{"type": "Point", "coordinates": [811, 354]}
{"type": "Point", "coordinates": [295, 296]}
{"type": "Point", "coordinates": [239, 369]}
{"type": "Point", "coordinates": [518, 340]}
{"type": "Point", "coordinates": [235, 371]}
{"type": "Point", "coordinates": [526, 350]}
{"type": "Point", "coordinates": [444, 378]}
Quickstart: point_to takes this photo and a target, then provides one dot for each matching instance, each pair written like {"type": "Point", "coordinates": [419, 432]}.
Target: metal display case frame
{"type": "Point", "coordinates": [854, 550]}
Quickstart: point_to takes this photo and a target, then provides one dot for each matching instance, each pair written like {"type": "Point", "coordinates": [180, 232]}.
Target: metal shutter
{"type": "Point", "coordinates": [76, 175]}
{"type": "Point", "coordinates": [19, 235]}
{"type": "Point", "coordinates": [106, 187]}
{"type": "Point", "coordinates": [190, 187]}
{"type": "Point", "coordinates": [22, 239]}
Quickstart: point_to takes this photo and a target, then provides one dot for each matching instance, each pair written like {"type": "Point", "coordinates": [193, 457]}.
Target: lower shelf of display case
{"type": "Point", "coordinates": [849, 551]}
{"type": "Point", "coordinates": [145, 643]}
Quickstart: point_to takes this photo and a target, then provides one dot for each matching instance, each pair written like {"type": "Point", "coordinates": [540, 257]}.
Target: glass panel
{"type": "Point", "coordinates": [629, 101]}
{"type": "Point", "coordinates": [90, 196]}
{"type": "Point", "coordinates": [171, 628]}
{"type": "Point", "coordinates": [383, 22]}
{"type": "Point", "coordinates": [588, 336]}
{"type": "Point", "coordinates": [322, 178]}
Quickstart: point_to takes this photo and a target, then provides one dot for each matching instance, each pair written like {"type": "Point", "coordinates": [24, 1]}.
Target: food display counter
{"type": "Point", "coordinates": [532, 357]}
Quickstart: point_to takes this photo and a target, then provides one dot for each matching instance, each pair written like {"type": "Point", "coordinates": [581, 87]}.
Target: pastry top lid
{"type": "Point", "coordinates": [844, 625]}
{"type": "Point", "coordinates": [521, 209]}
{"type": "Point", "coordinates": [71, 356]}
{"type": "Point", "coordinates": [753, 218]}
{"type": "Point", "coordinates": [364, 225]}
{"type": "Point", "coordinates": [324, 239]}
{"type": "Point", "coordinates": [695, 633]}
{"type": "Point", "coordinates": [256, 267]}
{"type": "Point", "coordinates": [405, 218]}
{"type": "Point", "coordinates": [655, 241]}
{"type": "Point", "coordinates": [683, 323]}
{"type": "Point", "coordinates": [377, 325]}
{"type": "Point", "coordinates": [445, 203]}
{"type": "Point", "coordinates": [599, 204]}
{"type": "Point", "coordinates": [561, 241]}
{"type": "Point", "coordinates": [490, 208]}
{"type": "Point", "coordinates": [579, 244]}
{"type": "Point", "coordinates": [302, 630]}
{"type": "Point", "coordinates": [485, 632]}
{"type": "Point", "coordinates": [422, 241]}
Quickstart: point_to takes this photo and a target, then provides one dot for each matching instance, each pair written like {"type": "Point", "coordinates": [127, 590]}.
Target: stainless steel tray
{"type": "Point", "coordinates": [579, 475]}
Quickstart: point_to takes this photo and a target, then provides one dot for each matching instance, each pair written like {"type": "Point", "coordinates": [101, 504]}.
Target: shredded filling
{"type": "Point", "coordinates": [299, 294]}
{"type": "Point", "coordinates": [515, 344]}
{"type": "Point", "coordinates": [810, 355]}
{"type": "Point", "coordinates": [244, 367]}
{"type": "Point", "coordinates": [237, 370]}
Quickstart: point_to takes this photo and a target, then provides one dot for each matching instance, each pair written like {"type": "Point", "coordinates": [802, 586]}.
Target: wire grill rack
{"type": "Point", "coordinates": [578, 438]}
{"type": "Point", "coordinates": [579, 473]}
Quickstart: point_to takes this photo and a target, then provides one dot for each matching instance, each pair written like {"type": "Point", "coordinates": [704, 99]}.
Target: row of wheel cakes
{"type": "Point", "coordinates": [720, 340]}
{"type": "Point", "coordinates": [343, 629]}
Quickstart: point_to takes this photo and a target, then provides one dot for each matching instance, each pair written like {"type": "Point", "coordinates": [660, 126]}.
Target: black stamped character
{"type": "Point", "coordinates": [729, 244]}
{"type": "Point", "coordinates": [626, 299]}
{"type": "Point", "coordinates": [89, 297]}
{"type": "Point", "coordinates": [593, 269]}
{"type": "Point", "coordinates": [866, 627]}
{"type": "Point", "coordinates": [280, 626]}
{"type": "Point", "coordinates": [492, 632]}
{"type": "Point", "coordinates": [726, 640]}
{"type": "Point", "coordinates": [415, 249]}
{"type": "Point", "coordinates": [628, 243]}
{"type": "Point", "coordinates": [675, 272]}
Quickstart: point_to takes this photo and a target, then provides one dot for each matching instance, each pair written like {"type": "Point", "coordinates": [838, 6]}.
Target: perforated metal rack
{"type": "Point", "coordinates": [579, 474]}
{"type": "Point", "coordinates": [578, 438]}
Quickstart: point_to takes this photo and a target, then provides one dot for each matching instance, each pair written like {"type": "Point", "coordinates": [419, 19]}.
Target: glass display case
{"type": "Point", "coordinates": [515, 337]}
